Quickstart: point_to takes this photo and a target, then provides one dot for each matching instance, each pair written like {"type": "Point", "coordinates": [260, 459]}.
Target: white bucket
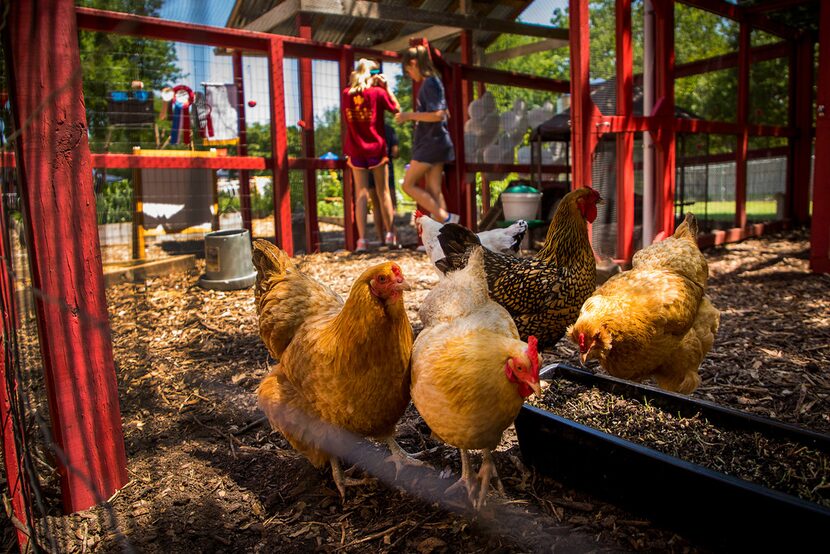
{"type": "Point", "coordinates": [521, 205]}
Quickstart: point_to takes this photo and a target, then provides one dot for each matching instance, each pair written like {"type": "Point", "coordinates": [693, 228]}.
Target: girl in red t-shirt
{"type": "Point", "coordinates": [364, 103]}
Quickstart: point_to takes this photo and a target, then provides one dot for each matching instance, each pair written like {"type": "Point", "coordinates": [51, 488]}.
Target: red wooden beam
{"type": "Point", "coordinates": [279, 145]}
{"type": "Point", "coordinates": [738, 13]}
{"type": "Point", "coordinates": [515, 168]}
{"type": "Point", "coordinates": [242, 149]}
{"type": "Point", "coordinates": [758, 54]}
{"type": "Point", "coordinates": [582, 107]}
{"type": "Point", "coordinates": [90, 19]}
{"type": "Point", "coordinates": [744, 45]}
{"type": "Point", "coordinates": [120, 161]}
{"type": "Point", "coordinates": [55, 170]}
{"type": "Point", "coordinates": [625, 141]}
{"type": "Point", "coordinates": [664, 106]}
{"type": "Point", "coordinates": [801, 104]}
{"type": "Point", "coordinates": [464, 95]}
{"type": "Point", "coordinates": [312, 229]}
{"type": "Point", "coordinates": [512, 79]}
{"type": "Point", "coordinates": [775, 5]}
{"type": "Point", "coordinates": [349, 223]}
{"type": "Point", "coordinates": [820, 230]}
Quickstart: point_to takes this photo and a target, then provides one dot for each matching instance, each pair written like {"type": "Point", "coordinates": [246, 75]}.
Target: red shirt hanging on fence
{"type": "Point", "coordinates": [363, 112]}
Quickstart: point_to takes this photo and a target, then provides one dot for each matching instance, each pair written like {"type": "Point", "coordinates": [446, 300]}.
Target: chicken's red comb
{"type": "Point", "coordinates": [419, 213]}
{"type": "Point", "coordinates": [582, 342]}
{"type": "Point", "coordinates": [533, 354]}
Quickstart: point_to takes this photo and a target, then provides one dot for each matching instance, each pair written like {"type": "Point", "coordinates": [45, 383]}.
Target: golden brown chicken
{"type": "Point", "coordinates": [654, 320]}
{"type": "Point", "coordinates": [344, 364]}
{"type": "Point", "coordinates": [470, 371]}
{"type": "Point", "coordinates": [543, 294]}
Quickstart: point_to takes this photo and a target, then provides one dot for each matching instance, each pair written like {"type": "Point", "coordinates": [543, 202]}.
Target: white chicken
{"type": "Point", "coordinates": [503, 241]}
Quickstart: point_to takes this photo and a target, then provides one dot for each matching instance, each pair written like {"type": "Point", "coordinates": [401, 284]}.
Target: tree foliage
{"type": "Point", "coordinates": [110, 62]}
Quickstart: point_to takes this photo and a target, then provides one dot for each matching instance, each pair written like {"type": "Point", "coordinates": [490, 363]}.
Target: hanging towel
{"type": "Point", "coordinates": [182, 100]}
{"type": "Point", "coordinates": [222, 114]}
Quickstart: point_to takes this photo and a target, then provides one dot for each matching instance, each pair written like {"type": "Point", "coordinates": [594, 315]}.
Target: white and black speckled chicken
{"type": "Point", "coordinates": [544, 293]}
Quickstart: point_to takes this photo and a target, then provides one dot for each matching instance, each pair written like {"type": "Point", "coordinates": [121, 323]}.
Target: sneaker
{"type": "Point", "coordinates": [391, 240]}
{"type": "Point", "coordinates": [453, 218]}
{"type": "Point", "coordinates": [362, 245]}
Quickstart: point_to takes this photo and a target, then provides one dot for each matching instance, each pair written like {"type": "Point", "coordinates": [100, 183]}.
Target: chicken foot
{"type": "Point", "coordinates": [401, 457]}
{"type": "Point", "coordinates": [467, 480]}
{"type": "Point", "coordinates": [341, 481]}
{"type": "Point", "coordinates": [486, 473]}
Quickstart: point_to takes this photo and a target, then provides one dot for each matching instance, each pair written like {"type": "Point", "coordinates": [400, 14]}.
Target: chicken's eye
{"type": "Point", "coordinates": [382, 279]}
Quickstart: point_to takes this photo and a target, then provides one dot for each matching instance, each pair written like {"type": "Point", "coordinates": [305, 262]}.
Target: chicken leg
{"type": "Point", "coordinates": [467, 480]}
{"type": "Point", "coordinates": [486, 473]}
{"type": "Point", "coordinates": [341, 481]}
{"type": "Point", "coordinates": [400, 457]}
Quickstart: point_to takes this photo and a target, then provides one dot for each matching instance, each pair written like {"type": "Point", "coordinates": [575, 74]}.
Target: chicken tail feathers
{"type": "Point", "coordinates": [455, 241]}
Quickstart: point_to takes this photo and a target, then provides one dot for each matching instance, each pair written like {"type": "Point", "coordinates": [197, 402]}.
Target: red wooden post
{"type": "Point", "coordinates": [242, 149]}
{"type": "Point", "coordinates": [664, 93]}
{"type": "Point", "coordinates": [820, 231]}
{"type": "Point", "coordinates": [801, 102]}
{"type": "Point", "coordinates": [18, 485]}
{"type": "Point", "coordinates": [744, 45]}
{"type": "Point", "coordinates": [312, 229]}
{"type": "Point", "coordinates": [464, 94]}
{"type": "Point", "coordinates": [279, 148]}
{"type": "Point", "coordinates": [55, 170]}
{"type": "Point", "coordinates": [581, 104]}
{"type": "Point", "coordinates": [349, 223]}
{"type": "Point", "coordinates": [625, 140]}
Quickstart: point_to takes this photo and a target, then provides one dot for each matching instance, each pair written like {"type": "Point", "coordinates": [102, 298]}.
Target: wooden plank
{"type": "Point", "coordinates": [276, 16]}
{"type": "Point", "coordinates": [513, 79]}
{"type": "Point", "coordinates": [524, 50]}
{"type": "Point", "coordinates": [802, 143]}
{"type": "Point", "coordinates": [582, 107]}
{"type": "Point", "coordinates": [820, 229]}
{"type": "Point", "coordinates": [665, 162]}
{"type": "Point", "coordinates": [436, 32]}
{"type": "Point", "coordinates": [388, 12]}
{"type": "Point", "coordinates": [90, 19]}
{"type": "Point", "coordinates": [312, 230]}
{"type": "Point", "coordinates": [55, 173]}
{"type": "Point", "coordinates": [625, 141]}
{"type": "Point", "coordinates": [744, 44]}
{"type": "Point", "coordinates": [349, 223]}
{"type": "Point", "coordinates": [279, 145]}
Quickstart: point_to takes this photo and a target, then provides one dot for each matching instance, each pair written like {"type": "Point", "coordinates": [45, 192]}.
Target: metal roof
{"type": "Point", "coordinates": [370, 32]}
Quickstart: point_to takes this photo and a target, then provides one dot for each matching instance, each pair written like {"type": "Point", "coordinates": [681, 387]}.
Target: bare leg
{"type": "Point", "coordinates": [361, 187]}
{"type": "Point", "coordinates": [384, 205]}
{"type": "Point", "coordinates": [341, 481]}
{"type": "Point", "coordinates": [376, 210]}
{"type": "Point", "coordinates": [434, 180]}
{"type": "Point", "coordinates": [467, 480]}
{"type": "Point", "coordinates": [416, 171]}
{"type": "Point", "coordinates": [485, 474]}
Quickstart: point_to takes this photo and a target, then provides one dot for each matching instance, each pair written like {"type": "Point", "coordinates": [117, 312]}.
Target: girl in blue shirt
{"type": "Point", "coordinates": [431, 143]}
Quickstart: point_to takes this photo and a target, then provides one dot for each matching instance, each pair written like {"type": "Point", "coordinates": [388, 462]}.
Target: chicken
{"type": "Point", "coordinates": [343, 364]}
{"type": "Point", "coordinates": [655, 319]}
{"type": "Point", "coordinates": [470, 371]}
{"type": "Point", "coordinates": [504, 241]}
{"type": "Point", "coordinates": [544, 293]}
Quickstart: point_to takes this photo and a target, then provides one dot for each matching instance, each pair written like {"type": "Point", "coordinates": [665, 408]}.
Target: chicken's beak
{"type": "Point", "coordinates": [583, 357]}
{"type": "Point", "coordinates": [402, 285]}
{"type": "Point", "coordinates": [537, 389]}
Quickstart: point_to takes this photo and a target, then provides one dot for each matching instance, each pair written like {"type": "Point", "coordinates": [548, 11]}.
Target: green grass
{"type": "Point", "coordinates": [725, 210]}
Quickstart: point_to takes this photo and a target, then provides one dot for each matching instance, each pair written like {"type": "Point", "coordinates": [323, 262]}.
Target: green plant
{"type": "Point", "coordinates": [114, 202]}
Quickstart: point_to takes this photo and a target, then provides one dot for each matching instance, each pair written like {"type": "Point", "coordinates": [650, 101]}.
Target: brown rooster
{"type": "Point", "coordinates": [654, 320]}
{"type": "Point", "coordinates": [344, 364]}
{"type": "Point", "coordinates": [470, 371]}
{"type": "Point", "coordinates": [543, 294]}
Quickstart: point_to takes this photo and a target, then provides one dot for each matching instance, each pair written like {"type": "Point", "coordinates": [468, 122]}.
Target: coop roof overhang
{"type": "Point", "coordinates": [364, 9]}
{"type": "Point", "coordinates": [743, 15]}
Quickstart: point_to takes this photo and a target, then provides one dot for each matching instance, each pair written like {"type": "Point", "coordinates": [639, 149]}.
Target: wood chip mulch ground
{"type": "Point", "coordinates": [207, 476]}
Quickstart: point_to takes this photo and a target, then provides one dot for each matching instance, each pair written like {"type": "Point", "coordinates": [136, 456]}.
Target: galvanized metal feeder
{"type": "Point", "coordinates": [228, 260]}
